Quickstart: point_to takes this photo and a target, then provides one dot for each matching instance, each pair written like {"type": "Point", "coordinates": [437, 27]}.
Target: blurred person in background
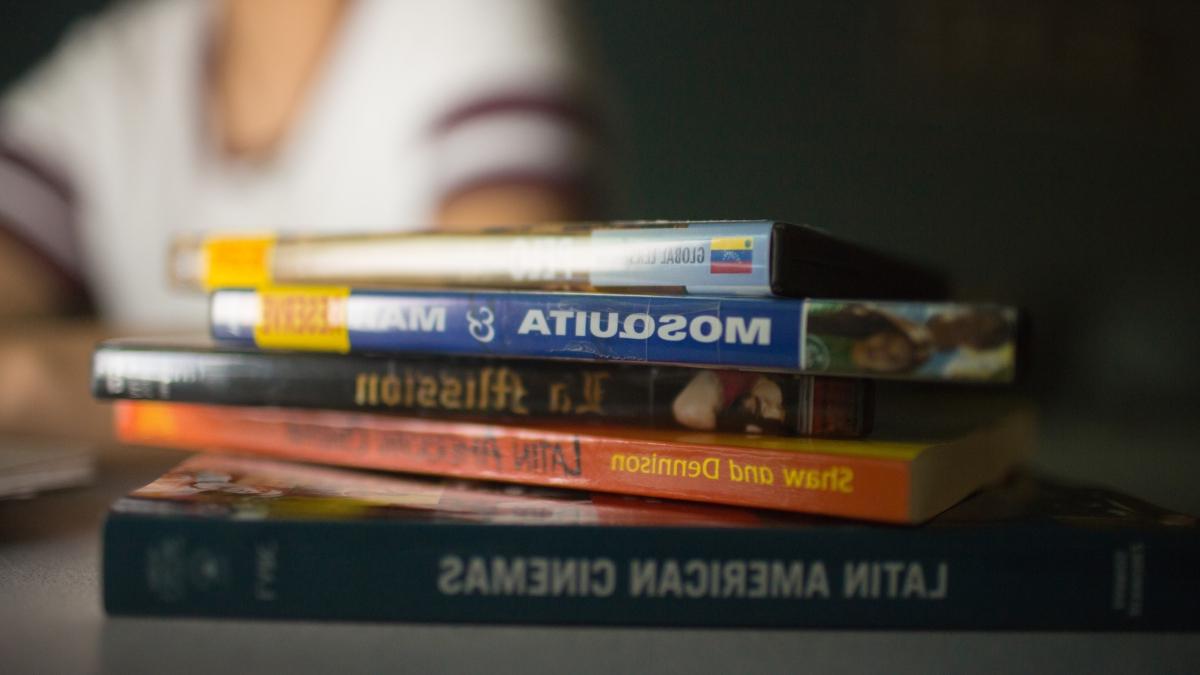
{"type": "Point", "coordinates": [165, 117]}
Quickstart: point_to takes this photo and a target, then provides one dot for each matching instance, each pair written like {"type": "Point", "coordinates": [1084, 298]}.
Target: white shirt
{"type": "Point", "coordinates": [416, 100]}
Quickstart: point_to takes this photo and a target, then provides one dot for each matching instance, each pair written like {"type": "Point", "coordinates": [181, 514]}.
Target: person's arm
{"type": "Point", "coordinates": [45, 353]}
{"type": "Point", "coordinates": [45, 342]}
{"type": "Point", "coordinates": [45, 368]}
{"type": "Point", "coordinates": [511, 204]}
{"type": "Point", "coordinates": [45, 356]}
{"type": "Point", "coordinates": [28, 286]}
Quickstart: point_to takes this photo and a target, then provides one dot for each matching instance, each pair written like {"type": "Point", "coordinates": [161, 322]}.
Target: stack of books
{"type": "Point", "coordinates": [704, 392]}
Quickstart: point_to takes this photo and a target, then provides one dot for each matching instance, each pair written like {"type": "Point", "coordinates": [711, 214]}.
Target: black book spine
{"type": "Point", "coordinates": [501, 390]}
{"type": "Point", "coordinates": [833, 577]}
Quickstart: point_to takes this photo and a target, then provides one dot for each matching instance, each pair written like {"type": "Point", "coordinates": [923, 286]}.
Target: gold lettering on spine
{"type": "Point", "coordinates": [518, 395]}
{"type": "Point", "coordinates": [427, 392]}
{"type": "Point", "coordinates": [593, 393]}
{"type": "Point", "coordinates": [485, 377]}
{"type": "Point", "coordinates": [560, 400]}
{"type": "Point", "coordinates": [389, 390]}
{"type": "Point", "coordinates": [364, 389]}
{"type": "Point", "coordinates": [501, 389]}
{"type": "Point", "coordinates": [451, 394]}
{"type": "Point", "coordinates": [471, 394]}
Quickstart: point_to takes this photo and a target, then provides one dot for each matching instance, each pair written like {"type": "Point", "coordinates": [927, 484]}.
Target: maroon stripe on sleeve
{"type": "Point", "coordinates": [561, 108]}
{"type": "Point", "coordinates": [575, 188]}
{"type": "Point", "coordinates": [27, 161]}
{"type": "Point", "coordinates": [62, 258]}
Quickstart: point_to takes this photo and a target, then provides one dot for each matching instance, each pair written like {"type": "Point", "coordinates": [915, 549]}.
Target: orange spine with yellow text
{"type": "Point", "coordinates": [869, 479]}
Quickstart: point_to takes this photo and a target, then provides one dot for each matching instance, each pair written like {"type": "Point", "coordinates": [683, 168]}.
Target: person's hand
{"type": "Point", "coordinates": [44, 380]}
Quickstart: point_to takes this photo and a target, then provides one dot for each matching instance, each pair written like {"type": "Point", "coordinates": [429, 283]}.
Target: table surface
{"type": "Point", "coordinates": [51, 619]}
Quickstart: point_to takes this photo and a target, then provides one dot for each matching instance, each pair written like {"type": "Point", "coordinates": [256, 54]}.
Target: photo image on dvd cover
{"type": "Point", "coordinates": [911, 340]}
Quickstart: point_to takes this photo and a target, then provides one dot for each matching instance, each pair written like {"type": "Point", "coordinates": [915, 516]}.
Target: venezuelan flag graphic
{"type": "Point", "coordinates": [732, 255]}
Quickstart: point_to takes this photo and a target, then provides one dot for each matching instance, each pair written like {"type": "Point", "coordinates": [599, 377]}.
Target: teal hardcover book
{"type": "Point", "coordinates": [226, 536]}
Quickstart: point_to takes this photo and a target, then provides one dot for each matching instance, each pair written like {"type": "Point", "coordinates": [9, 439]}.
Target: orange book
{"type": "Point", "coordinates": [883, 480]}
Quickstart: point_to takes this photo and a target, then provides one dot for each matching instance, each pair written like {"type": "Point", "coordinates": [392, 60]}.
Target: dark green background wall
{"type": "Point", "coordinates": [1045, 153]}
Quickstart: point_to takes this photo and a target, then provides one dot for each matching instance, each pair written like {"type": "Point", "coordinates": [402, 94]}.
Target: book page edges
{"type": "Point", "coordinates": [945, 474]}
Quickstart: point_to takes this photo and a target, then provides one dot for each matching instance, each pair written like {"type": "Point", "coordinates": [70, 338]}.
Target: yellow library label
{"type": "Point", "coordinates": [307, 317]}
{"type": "Point", "coordinates": [237, 262]}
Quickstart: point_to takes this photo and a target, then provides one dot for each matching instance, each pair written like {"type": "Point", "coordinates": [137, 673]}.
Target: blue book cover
{"type": "Point", "coordinates": [905, 340]}
{"type": "Point", "coordinates": [224, 536]}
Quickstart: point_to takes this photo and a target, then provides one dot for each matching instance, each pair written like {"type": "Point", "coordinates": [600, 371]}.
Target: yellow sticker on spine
{"type": "Point", "coordinates": [303, 317]}
{"type": "Point", "coordinates": [732, 243]}
{"type": "Point", "coordinates": [237, 262]}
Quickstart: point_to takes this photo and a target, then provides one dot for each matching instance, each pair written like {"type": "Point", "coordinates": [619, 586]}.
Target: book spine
{"type": "Point", "coordinates": [696, 257]}
{"type": "Point", "coordinates": [827, 577]}
{"type": "Point", "coordinates": [909, 340]}
{"type": "Point", "coordinates": [867, 487]}
{"type": "Point", "coordinates": [525, 391]}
